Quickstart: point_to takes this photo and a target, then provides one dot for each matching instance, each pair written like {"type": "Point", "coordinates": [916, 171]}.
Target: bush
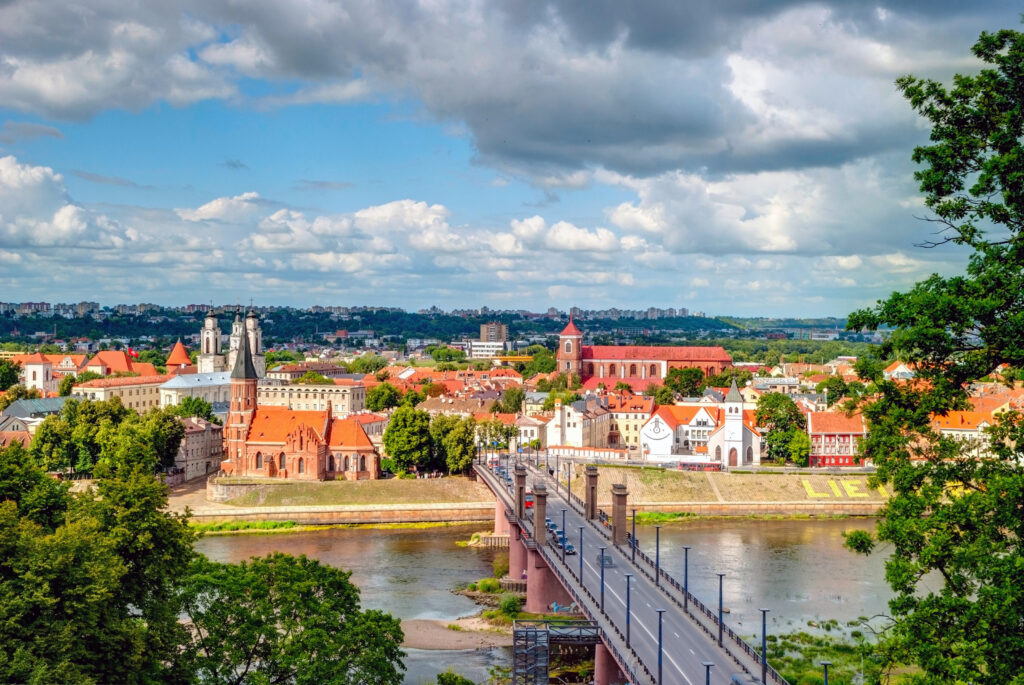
{"type": "Point", "coordinates": [471, 587]}
{"type": "Point", "coordinates": [510, 605]}
{"type": "Point", "coordinates": [488, 585]}
{"type": "Point", "coordinates": [451, 678]}
{"type": "Point", "coordinates": [500, 566]}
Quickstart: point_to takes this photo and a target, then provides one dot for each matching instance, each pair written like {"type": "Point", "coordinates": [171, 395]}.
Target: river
{"type": "Point", "coordinates": [797, 568]}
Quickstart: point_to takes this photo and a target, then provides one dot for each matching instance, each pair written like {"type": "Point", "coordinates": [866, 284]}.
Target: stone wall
{"type": "Point", "coordinates": [327, 515]}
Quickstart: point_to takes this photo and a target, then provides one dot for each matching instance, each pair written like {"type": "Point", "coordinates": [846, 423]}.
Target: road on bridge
{"type": "Point", "coordinates": [685, 645]}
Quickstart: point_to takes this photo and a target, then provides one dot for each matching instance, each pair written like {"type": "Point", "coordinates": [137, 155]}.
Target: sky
{"type": "Point", "coordinates": [741, 157]}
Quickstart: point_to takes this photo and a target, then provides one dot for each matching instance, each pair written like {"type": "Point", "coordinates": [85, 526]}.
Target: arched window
{"type": "Point", "coordinates": [632, 370]}
{"type": "Point", "coordinates": [654, 370]}
{"type": "Point", "coordinates": [302, 466]}
{"type": "Point", "coordinates": [718, 453]}
{"type": "Point", "coordinates": [330, 462]}
{"type": "Point", "coordinates": [281, 461]}
{"type": "Point", "coordinates": [259, 460]}
{"type": "Point", "coordinates": [362, 463]}
{"type": "Point", "coordinates": [346, 464]}
{"type": "Point", "coordinates": [611, 369]}
{"type": "Point", "coordinates": [568, 346]}
{"type": "Point", "coordinates": [711, 371]}
{"type": "Point", "coordinates": [590, 369]}
{"type": "Point", "coordinates": [750, 455]}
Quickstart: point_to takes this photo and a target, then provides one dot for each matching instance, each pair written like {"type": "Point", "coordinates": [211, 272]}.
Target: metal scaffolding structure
{"type": "Point", "coordinates": [532, 641]}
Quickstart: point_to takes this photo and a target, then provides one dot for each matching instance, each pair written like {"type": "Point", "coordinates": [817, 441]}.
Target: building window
{"type": "Point", "coordinates": [330, 462]}
{"type": "Point", "coordinates": [281, 461]}
{"type": "Point", "coordinates": [568, 346]}
{"type": "Point", "coordinates": [302, 466]}
{"type": "Point", "coordinates": [259, 460]}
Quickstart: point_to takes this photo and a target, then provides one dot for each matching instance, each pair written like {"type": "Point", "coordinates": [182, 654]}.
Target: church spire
{"type": "Point", "coordinates": [243, 367]}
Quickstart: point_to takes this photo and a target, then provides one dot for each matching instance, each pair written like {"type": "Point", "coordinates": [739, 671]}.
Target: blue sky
{"type": "Point", "coordinates": [741, 159]}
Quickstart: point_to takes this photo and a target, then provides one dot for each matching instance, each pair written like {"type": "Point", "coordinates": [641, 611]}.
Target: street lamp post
{"type": "Point", "coordinates": [657, 556]}
{"type": "Point", "coordinates": [634, 536]}
{"type": "Point", "coordinates": [764, 646]}
{"type": "Point", "coordinates": [720, 577]}
{"type": "Point", "coordinates": [602, 578]}
{"type": "Point", "coordinates": [686, 578]}
{"type": "Point", "coordinates": [565, 540]}
{"type": "Point", "coordinates": [569, 498]}
{"type": "Point", "coordinates": [826, 664]}
{"type": "Point", "coordinates": [707, 672]}
{"type": "Point", "coordinates": [661, 613]}
{"type": "Point", "coordinates": [629, 577]}
{"type": "Point", "coordinates": [580, 553]}
{"type": "Point", "coordinates": [558, 475]}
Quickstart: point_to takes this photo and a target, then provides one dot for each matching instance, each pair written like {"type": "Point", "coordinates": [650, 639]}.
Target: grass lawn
{"type": "Point", "coordinates": [366, 492]}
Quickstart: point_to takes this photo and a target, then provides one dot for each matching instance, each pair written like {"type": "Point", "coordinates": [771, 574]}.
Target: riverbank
{"type": "Point", "coordinates": [237, 527]}
{"type": "Point", "coordinates": [471, 632]}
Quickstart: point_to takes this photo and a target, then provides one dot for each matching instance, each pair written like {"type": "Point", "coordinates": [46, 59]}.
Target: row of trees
{"type": "Point", "coordinates": [94, 586]}
{"type": "Point", "coordinates": [414, 441]}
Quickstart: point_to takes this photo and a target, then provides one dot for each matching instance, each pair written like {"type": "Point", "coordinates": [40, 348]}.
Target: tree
{"type": "Point", "coordinates": [688, 382]}
{"type": "Point", "coordinates": [664, 396]}
{"type": "Point", "coordinates": [18, 392]}
{"type": "Point", "coordinates": [623, 386]}
{"type": "Point", "coordinates": [433, 389]}
{"type": "Point", "coordinates": [407, 440]}
{"type": "Point", "coordinates": [195, 407]}
{"type": "Point", "coordinates": [953, 516]}
{"type": "Point", "coordinates": [286, 619]}
{"type": "Point", "coordinates": [543, 361]}
{"type": "Point", "coordinates": [413, 397]}
{"type": "Point", "coordinates": [367, 363]}
{"type": "Point", "coordinates": [778, 412]}
{"type": "Point", "coordinates": [459, 446]}
{"type": "Point", "coordinates": [10, 371]}
{"type": "Point", "coordinates": [449, 677]}
{"type": "Point", "coordinates": [512, 400]}
{"type": "Point", "coordinates": [447, 354]}
{"type": "Point", "coordinates": [383, 396]}
{"type": "Point", "coordinates": [799, 447]}
{"type": "Point", "coordinates": [440, 426]}
{"type": "Point", "coordinates": [314, 378]}
{"type": "Point", "coordinates": [834, 387]}
{"type": "Point", "coordinates": [69, 381]}
{"type": "Point", "coordinates": [725, 379]}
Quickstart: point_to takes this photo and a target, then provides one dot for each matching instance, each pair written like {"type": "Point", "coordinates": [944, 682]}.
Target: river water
{"type": "Point", "coordinates": [799, 569]}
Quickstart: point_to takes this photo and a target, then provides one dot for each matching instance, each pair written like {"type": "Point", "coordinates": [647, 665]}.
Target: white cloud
{"type": "Point", "coordinates": [230, 209]}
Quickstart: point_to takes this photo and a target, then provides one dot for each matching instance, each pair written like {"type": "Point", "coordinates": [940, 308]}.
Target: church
{"type": "Point", "coordinates": [279, 442]}
{"type": "Point", "coordinates": [637, 365]}
{"type": "Point", "coordinates": [211, 359]}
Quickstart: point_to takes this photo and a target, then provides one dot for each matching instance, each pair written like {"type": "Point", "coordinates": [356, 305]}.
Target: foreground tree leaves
{"type": "Point", "coordinates": [956, 518]}
{"type": "Point", "coordinates": [283, 619]}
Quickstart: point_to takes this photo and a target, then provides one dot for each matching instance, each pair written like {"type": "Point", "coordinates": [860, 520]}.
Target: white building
{"type": "Point", "coordinates": [201, 449]}
{"type": "Point", "coordinates": [212, 387]}
{"type": "Point", "coordinates": [585, 423]}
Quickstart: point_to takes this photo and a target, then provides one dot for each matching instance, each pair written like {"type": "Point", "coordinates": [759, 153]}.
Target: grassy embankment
{"type": "Point", "coordinates": [451, 490]}
{"type": "Point", "coordinates": [274, 527]}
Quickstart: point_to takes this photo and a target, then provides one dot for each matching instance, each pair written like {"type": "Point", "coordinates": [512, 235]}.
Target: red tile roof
{"type": "Point", "coordinates": [8, 437]}
{"type": "Point", "coordinates": [962, 420]}
{"type": "Point", "coordinates": [645, 352]}
{"type": "Point", "coordinates": [348, 433]}
{"type": "Point", "coordinates": [121, 381]}
{"type": "Point", "coordinates": [273, 424]}
{"type": "Point", "coordinates": [834, 423]}
{"type": "Point", "coordinates": [637, 384]}
{"type": "Point", "coordinates": [178, 356]}
{"type": "Point", "coordinates": [571, 329]}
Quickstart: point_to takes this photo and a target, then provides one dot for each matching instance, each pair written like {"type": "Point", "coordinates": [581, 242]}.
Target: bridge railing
{"type": "Point", "coordinates": [709, 614]}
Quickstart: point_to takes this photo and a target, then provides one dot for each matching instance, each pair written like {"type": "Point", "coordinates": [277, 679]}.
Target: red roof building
{"type": "Point", "coordinates": [835, 438]}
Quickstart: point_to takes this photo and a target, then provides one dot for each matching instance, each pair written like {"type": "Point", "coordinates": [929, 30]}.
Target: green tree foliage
{"type": "Point", "coordinates": [9, 372]}
{"type": "Point", "coordinates": [274, 357]}
{"type": "Point", "coordinates": [440, 426]}
{"type": "Point", "coordinates": [566, 398]}
{"type": "Point", "coordinates": [446, 354]}
{"type": "Point", "coordinates": [836, 388]}
{"type": "Point", "coordinates": [154, 357]}
{"type": "Point", "coordinates": [779, 414]}
{"type": "Point", "coordinates": [512, 400]}
{"type": "Point", "coordinates": [622, 386]}
{"type": "Point", "coordinates": [367, 363]}
{"type": "Point", "coordinates": [664, 395]}
{"type": "Point", "coordinates": [451, 678]}
{"type": "Point", "coordinates": [799, 447]}
{"type": "Point", "coordinates": [951, 516]}
{"type": "Point", "coordinates": [282, 619]}
{"type": "Point", "coordinates": [382, 397]}
{"type": "Point", "coordinates": [407, 440]}
{"type": "Point", "coordinates": [69, 381]}
{"type": "Point", "coordinates": [413, 397]}
{"type": "Point", "coordinates": [688, 382]}
{"type": "Point", "coordinates": [725, 379]}
{"type": "Point", "coordinates": [196, 407]}
{"type": "Point", "coordinates": [314, 378]}
{"type": "Point", "coordinates": [459, 446]}
{"type": "Point", "coordinates": [543, 361]}
{"type": "Point", "coordinates": [18, 392]}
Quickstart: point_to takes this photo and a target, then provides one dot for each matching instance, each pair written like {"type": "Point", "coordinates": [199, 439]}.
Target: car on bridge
{"type": "Point", "coordinates": [569, 548]}
{"type": "Point", "coordinates": [605, 560]}
{"type": "Point", "coordinates": [528, 500]}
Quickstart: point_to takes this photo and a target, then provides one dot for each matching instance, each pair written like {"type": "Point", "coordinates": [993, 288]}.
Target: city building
{"type": "Point", "coordinates": [201, 449]}
{"type": "Point", "coordinates": [279, 442]}
{"type": "Point", "coordinates": [629, 414]}
{"type": "Point", "coordinates": [140, 393]}
{"type": "Point", "coordinates": [485, 350]}
{"type": "Point", "coordinates": [835, 438]}
{"type": "Point", "coordinates": [212, 358]}
{"type": "Point", "coordinates": [215, 388]}
{"type": "Point", "coordinates": [585, 423]}
{"type": "Point", "coordinates": [107, 362]}
{"type": "Point", "coordinates": [344, 396]}
{"type": "Point", "coordinates": [493, 332]}
{"type": "Point", "coordinates": [634, 364]}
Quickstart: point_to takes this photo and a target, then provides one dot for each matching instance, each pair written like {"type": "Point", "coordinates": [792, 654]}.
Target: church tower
{"type": "Point", "coordinates": [243, 407]}
{"type": "Point", "coordinates": [570, 350]}
{"type": "Point", "coordinates": [210, 359]}
{"type": "Point", "coordinates": [255, 335]}
{"type": "Point", "coordinates": [733, 447]}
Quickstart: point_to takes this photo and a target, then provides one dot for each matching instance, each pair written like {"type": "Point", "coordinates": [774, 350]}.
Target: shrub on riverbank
{"type": "Point", "coordinates": [510, 605]}
{"type": "Point", "coordinates": [225, 526]}
{"type": "Point", "coordinates": [488, 585]}
{"type": "Point", "coordinates": [500, 566]}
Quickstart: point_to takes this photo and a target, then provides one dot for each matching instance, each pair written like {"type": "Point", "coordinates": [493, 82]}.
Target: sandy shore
{"type": "Point", "coordinates": [473, 633]}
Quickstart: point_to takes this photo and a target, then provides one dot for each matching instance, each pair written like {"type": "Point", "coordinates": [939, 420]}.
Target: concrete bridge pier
{"type": "Point", "coordinates": [500, 519]}
{"type": "Point", "coordinates": [606, 670]}
{"type": "Point", "coordinates": [542, 586]}
{"type": "Point", "coordinates": [516, 551]}
{"type": "Point", "coordinates": [619, 496]}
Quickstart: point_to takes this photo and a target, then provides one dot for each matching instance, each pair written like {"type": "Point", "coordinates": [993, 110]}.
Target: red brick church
{"type": "Point", "coordinates": [280, 442]}
{"type": "Point", "coordinates": [637, 365]}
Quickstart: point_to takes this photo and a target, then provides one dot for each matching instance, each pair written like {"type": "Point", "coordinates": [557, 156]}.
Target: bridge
{"type": "Point", "coordinates": [649, 629]}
